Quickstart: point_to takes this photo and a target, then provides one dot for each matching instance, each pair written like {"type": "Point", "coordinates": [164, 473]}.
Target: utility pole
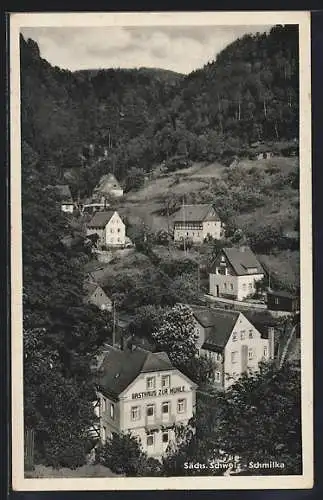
{"type": "Point", "coordinates": [184, 225]}
{"type": "Point", "coordinates": [114, 324]}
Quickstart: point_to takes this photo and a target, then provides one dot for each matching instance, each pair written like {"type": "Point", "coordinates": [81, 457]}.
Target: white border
{"type": "Point", "coordinates": [158, 19]}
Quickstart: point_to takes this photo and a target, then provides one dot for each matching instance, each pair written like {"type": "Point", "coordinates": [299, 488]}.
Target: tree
{"type": "Point", "coordinates": [263, 408]}
{"type": "Point", "coordinates": [58, 408]}
{"type": "Point", "coordinates": [122, 453]}
{"type": "Point", "coordinates": [177, 335]}
{"type": "Point", "coordinates": [147, 319]}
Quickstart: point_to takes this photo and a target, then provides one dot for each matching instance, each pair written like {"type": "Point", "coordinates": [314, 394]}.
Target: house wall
{"type": "Point", "coordinates": [107, 423]}
{"type": "Point", "coordinates": [67, 207]}
{"type": "Point", "coordinates": [198, 231]}
{"type": "Point", "coordinates": [100, 299]}
{"type": "Point", "coordinates": [213, 228]}
{"type": "Point", "coordinates": [282, 303]}
{"type": "Point", "coordinates": [115, 231]}
{"type": "Point", "coordinates": [240, 343]}
{"type": "Point", "coordinates": [136, 396]}
{"type": "Point", "coordinates": [235, 287]}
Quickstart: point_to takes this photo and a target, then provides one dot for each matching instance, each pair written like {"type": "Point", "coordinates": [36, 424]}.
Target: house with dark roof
{"type": "Point", "coordinates": [141, 392]}
{"type": "Point", "coordinates": [110, 228]}
{"type": "Point", "coordinates": [282, 301]}
{"type": "Point", "coordinates": [232, 342]}
{"type": "Point", "coordinates": [108, 185]}
{"type": "Point", "coordinates": [197, 222]}
{"type": "Point", "coordinates": [95, 295]}
{"type": "Point", "coordinates": [234, 273]}
{"type": "Point", "coordinates": [65, 197]}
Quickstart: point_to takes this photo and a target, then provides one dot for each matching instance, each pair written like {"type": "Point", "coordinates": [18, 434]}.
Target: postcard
{"type": "Point", "coordinates": [161, 258]}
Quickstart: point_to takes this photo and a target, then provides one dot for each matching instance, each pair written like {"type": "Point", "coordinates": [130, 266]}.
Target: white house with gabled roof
{"type": "Point", "coordinates": [143, 393]}
{"type": "Point", "coordinates": [234, 273]}
{"type": "Point", "coordinates": [110, 228]}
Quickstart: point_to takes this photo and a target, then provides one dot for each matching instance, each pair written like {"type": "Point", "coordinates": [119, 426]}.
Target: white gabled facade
{"type": "Point", "coordinates": [111, 233]}
{"type": "Point", "coordinates": [244, 351]}
{"type": "Point", "coordinates": [225, 281]}
{"type": "Point", "coordinates": [149, 408]}
{"type": "Point", "coordinates": [115, 231]}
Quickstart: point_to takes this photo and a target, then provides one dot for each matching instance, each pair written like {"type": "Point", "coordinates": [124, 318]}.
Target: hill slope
{"type": "Point", "coordinates": [141, 117]}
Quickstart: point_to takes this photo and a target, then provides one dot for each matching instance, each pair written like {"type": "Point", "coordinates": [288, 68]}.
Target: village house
{"type": "Point", "coordinates": [65, 198]}
{"type": "Point", "coordinates": [110, 228]}
{"type": "Point", "coordinates": [142, 393]}
{"type": "Point", "coordinates": [108, 185]}
{"type": "Point", "coordinates": [234, 273]}
{"type": "Point", "coordinates": [232, 342]}
{"type": "Point", "coordinates": [282, 301]}
{"type": "Point", "coordinates": [197, 222]}
{"type": "Point", "coordinates": [92, 205]}
{"type": "Point", "coordinates": [95, 295]}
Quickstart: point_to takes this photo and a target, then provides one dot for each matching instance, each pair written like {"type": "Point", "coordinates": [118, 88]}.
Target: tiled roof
{"type": "Point", "coordinates": [64, 193]}
{"type": "Point", "coordinates": [282, 294]}
{"type": "Point", "coordinates": [119, 368]}
{"type": "Point", "coordinates": [100, 219]}
{"type": "Point", "coordinates": [218, 324]}
{"type": "Point", "coordinates": [195, 213]}
{"type": "Point", "coordinates": [107, 182]}
{"type": "Point", "coordinates": [90, 287]}
{"type": "Point", "coordinates": [242, 259]}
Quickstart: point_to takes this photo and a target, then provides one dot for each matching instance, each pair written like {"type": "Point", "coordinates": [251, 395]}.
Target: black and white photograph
{"type": "Point", "coordinates": [161, 267]}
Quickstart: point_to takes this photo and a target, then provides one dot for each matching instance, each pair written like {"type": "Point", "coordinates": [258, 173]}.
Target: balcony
{"type": "Point", "coordinates": [167, 420]}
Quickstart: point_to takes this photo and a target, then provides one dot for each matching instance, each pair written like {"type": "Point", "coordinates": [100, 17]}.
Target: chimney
{"type": "Point", "coordinates": [271, 342]}
{"type": "Point", "coordinates": [244, 358]}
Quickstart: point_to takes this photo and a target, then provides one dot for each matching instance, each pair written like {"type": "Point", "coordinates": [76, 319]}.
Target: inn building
{"type": "Point", "coordinates": [142, 393]}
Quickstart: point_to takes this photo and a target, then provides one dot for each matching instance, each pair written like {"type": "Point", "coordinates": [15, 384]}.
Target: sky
{"type": "Point", "coordinates": [177, 48]}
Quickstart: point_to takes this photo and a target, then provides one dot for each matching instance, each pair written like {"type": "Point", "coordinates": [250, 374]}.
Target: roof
{"type": "Point", "coordinates": [282, 294]}
{"type": "Point", "coordinates": [100, 219]}
{"type": "Point", "coordinates": [64, 193]}
{"type": "Point", "coordinates": [194, 213]}
{"type": "Point", "coordinates": [90, 287]}
{"type": "Point", "coordinates": [241, 259]}
{"type": "Point", "coordinates": [120, 368]}
{"type": "Point", "coordinates": [218, 323]}
{"type": "Point", "coordinates": [107, 181]}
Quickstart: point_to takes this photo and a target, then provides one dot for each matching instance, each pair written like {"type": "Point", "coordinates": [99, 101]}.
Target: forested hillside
{"type": "Point", "coordinates": [143, 117]}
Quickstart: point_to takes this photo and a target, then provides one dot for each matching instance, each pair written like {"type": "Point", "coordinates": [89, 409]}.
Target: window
{"type": "Point", "coordinates": [224, 286]}
{"type": "Point", "coordinates": [165, 437]}
{"type": "Point", "coordinates": [243, 334]}
{"type": "Point", "coordinates": [250, 286]}
{"type": "Point", "coordinates": [276, 301]}
{"type": "Point", "coordinates": [250, 334]}
{"type": "Point", "coordinates": [150, 440]}
{"type": "Point", "coordinates": [118, 230]}
{"type": "Point", "coordinates": [234, 337]}
{"type": "Point", "coordinates": [111, 230]}
{"type": "Point", "coordinates": [217, 376]}
{"type": "Point", "coordinates": [231, 286]}
{"type": "Point", "coordinates": [151, 383]}
{"type": "Point", "coordinates": [181, 406]}
{"type": "Point", "coordinates": [150, 410]}
{"type": "Point", "coordinates": [265, 351]}
{"type": "Point", "coordinates": [135, 413]}
{"type": "Point", "coordinates": [165, 381]}
{"type": "Point", "coordinates": [112, 411]}
{"type": "Point", "coordinates": [165, 407]}
{"type": "Point", "coordinates": [234, 355]}
{"type": "Point", "coordinates": [250, 353]}
{"type": "Point", "coordinates": [243, 286]}
{"type": "Point", "coordinates": [104, 404]}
